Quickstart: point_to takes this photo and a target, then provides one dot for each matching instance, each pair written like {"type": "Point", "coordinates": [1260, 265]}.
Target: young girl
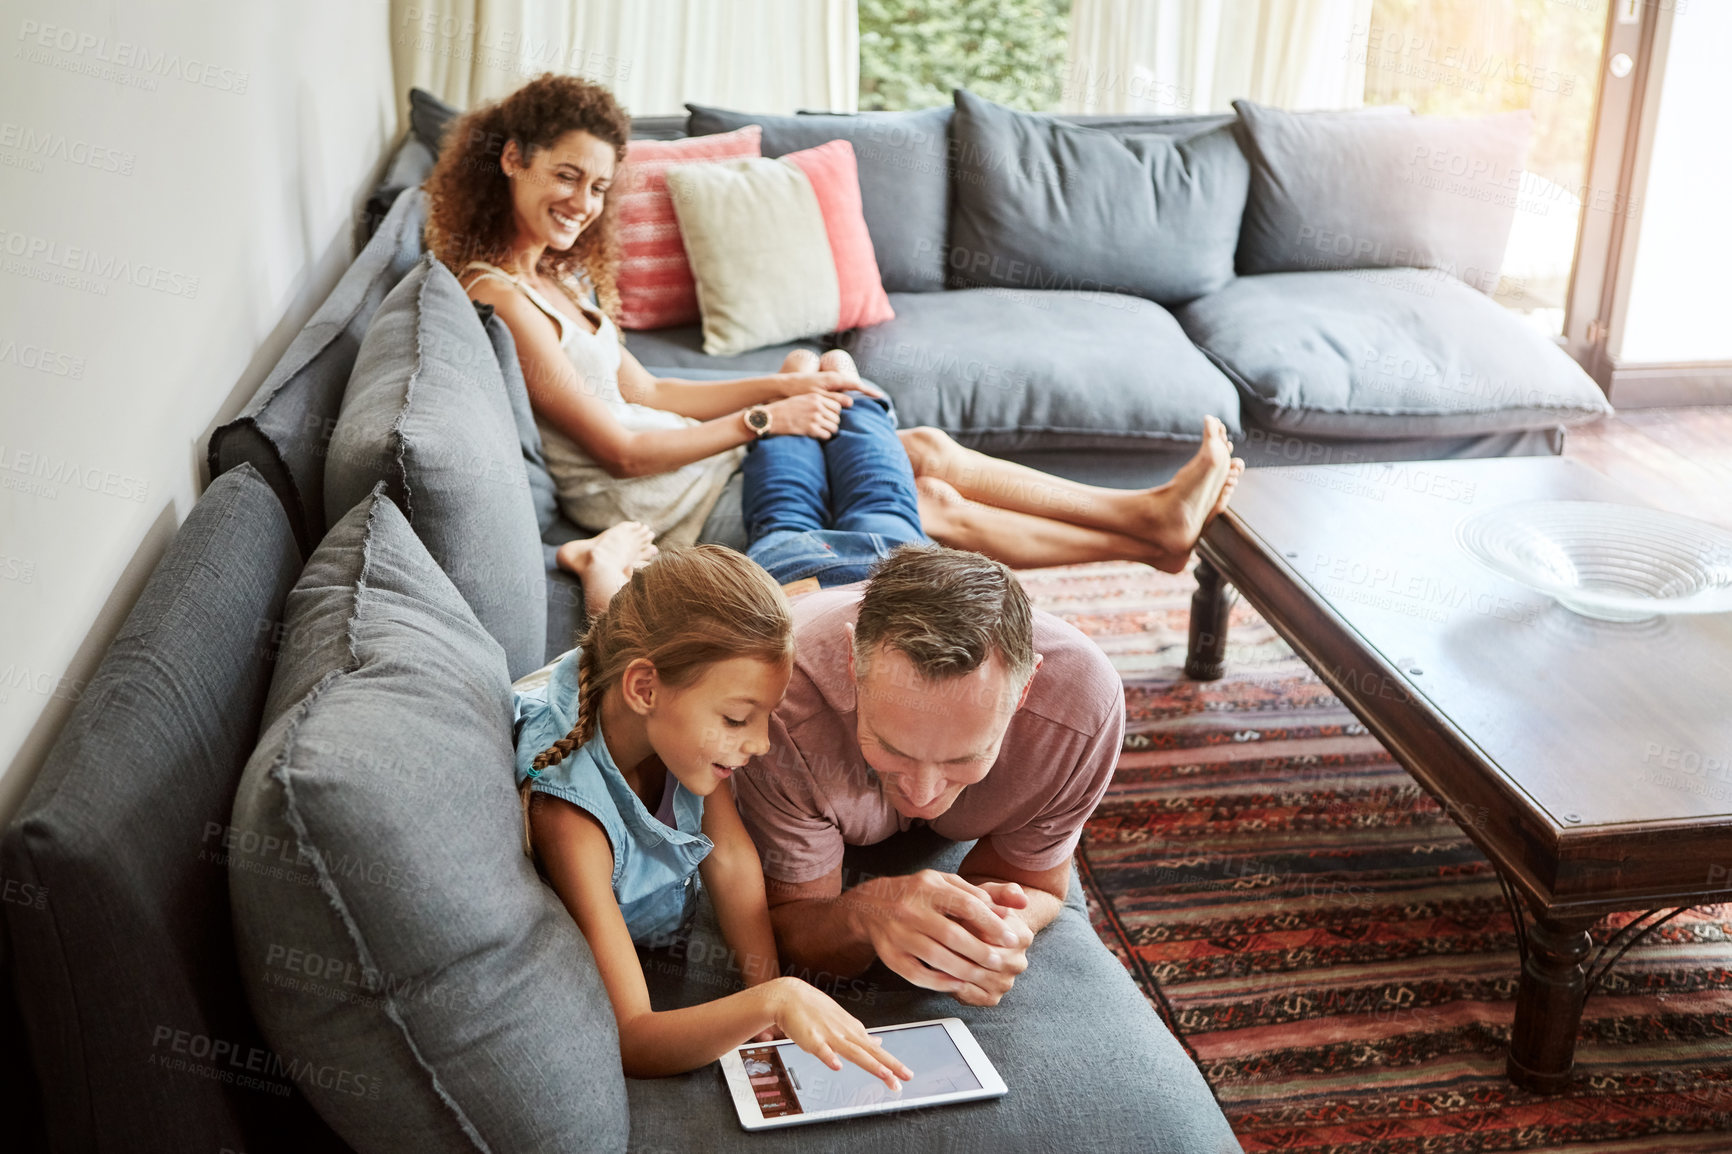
{"type": "Point", "coordinates": [623, 755]}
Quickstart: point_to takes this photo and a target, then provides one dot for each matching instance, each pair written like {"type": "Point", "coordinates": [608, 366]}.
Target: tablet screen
{"type": "Point", "coordinates": [787, 1080]}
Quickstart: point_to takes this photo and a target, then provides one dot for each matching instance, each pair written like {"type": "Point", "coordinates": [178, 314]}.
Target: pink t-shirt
{"type": "Point", "coordinates": [813, 793]}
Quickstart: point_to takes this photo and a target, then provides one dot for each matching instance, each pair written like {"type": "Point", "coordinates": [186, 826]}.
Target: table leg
{"type": "Point", "coordinates": [1210, 604]}
{"type": "Point", "coordinates": [1549, 1001]}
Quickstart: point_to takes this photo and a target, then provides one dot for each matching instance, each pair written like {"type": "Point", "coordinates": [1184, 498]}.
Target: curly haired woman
{"type": "Point", "coordinates": [520, 208]}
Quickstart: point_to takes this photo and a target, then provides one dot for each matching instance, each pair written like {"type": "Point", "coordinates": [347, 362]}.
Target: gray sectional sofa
{"type": "Point", "coordinates": [284, 906]}
{"type": "Point", "coordinates": [275, 899]}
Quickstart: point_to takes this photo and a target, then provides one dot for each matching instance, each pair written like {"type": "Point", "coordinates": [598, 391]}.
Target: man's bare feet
{"type": "Point", "coordinates": [1175, 513]}
{"type": "Point", "coordinates": [604, 563]}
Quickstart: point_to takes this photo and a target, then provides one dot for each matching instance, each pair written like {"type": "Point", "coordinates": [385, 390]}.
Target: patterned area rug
{"type": "Point", "coordinates": [1328, 945]}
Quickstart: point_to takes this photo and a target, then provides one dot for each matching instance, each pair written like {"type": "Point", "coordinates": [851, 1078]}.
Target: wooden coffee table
{"type": "Point", "coordinates": [1590, 761]}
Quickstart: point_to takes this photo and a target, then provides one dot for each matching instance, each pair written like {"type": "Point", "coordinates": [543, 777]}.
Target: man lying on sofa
{"type": "Point", "coordinates": [933, 693]}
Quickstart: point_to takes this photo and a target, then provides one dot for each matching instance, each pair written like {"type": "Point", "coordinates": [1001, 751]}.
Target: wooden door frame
{"type": "Point", "coordinates": [1598, 300]}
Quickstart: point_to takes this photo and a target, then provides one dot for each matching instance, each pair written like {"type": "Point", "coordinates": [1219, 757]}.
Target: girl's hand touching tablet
{"type": "Point", "coordinates": [814, 1021]}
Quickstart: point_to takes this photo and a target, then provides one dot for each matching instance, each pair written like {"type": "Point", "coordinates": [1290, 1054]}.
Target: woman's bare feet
{"type": "Point", "coordinates": [604, 563]}
{"type": "Point", "coordinates": [1175, 513]}
{"type": "Point", "coordinates": [800, 361]}
{"type": "Point", "coordinates": [838, 361]}
{"type": "Point", "coordinates": [1235, 470]}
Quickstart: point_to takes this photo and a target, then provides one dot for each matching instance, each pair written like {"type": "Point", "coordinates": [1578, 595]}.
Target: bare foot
{"type": "Point", "coordinates": [1235, 470]}
{"type": "Point", "coordinates": [604, 563]}
{"type": "Point", "coordinates": [1175, 513]}
{"type": "Point", "coordinates": [800, 361]}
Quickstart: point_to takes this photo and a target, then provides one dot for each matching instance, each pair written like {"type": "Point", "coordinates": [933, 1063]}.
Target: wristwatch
{"type": "Point", "coordinates": [758, 420]}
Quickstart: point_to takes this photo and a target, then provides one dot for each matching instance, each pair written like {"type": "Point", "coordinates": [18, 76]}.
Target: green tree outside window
{"type": "Point", "coordinates": [913, 52]}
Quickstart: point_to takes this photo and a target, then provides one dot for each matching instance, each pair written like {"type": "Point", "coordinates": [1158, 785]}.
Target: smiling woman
{"type": "Point", "coordinates": [519, 211]}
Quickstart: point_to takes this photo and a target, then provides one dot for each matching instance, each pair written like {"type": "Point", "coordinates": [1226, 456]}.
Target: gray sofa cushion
{"type": "Point", "coordinates": [904, 178]}
{"type": "Point", "coordinates": [1386, 353]}
{"type": "Point", "coordinates": [427, 412]}
{"type": "Point", "coordinates": [543, 494]}
{"type": "Point", "coordinates": [429, 117]}
{"type": "Point", "coordinates": [1088, 1064]}
{"type": "Point", "coordinates": [1373, 190]}
{"type": "Point", "coordinates": [681, 347]}
{"type": "Point", "coordinates": [118, 910]}
{"type": "Point", "coordinates": [1041, 204]}
{"type": "Point", "coordinates": [390, 932]}
{"type": "Point", "coordinates": [1004, 370]}
{"type": "Point", "coordinates": [283, 430]}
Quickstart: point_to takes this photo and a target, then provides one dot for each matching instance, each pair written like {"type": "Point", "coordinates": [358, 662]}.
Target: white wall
{"type": "Point", "coordinates": [1679, 302]}
{"type": "Point", "coordinates": [178, 186]}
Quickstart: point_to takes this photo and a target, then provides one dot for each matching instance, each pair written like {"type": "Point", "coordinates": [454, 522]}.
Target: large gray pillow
{"type": "Point", "coordinates": [1386, 353]}
{"type": "Point", "coordinates": [1371, 190]}
{"type": "Point", "coordinates": [1041, 204]}
{"type": "Point", "coordinates": [1009, 372]}
{"type": "Point", "coordinates": [117, 903]}
{"type": "Point", "coordinates": [427, 412]}
{"type": "Point", "coordinates": [283, 430]}
{"type": "Point", "coordinates": [396, 945]}
{"type": "Point", "coordinates": [904, 178]}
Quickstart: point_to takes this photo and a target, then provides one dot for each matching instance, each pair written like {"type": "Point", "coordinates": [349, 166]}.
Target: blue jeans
{"type": "Point", "coordinates": [831, 509]}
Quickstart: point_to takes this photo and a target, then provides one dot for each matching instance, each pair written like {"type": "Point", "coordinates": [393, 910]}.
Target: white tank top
{"type": "Point", "coordinates": [673, 504]}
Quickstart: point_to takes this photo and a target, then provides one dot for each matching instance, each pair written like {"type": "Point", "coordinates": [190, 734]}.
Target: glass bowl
{"type": "Point", "coordinates": [1606, 561]}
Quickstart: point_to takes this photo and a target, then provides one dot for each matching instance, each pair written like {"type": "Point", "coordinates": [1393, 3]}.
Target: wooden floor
{"type": "Point", "coordinates": [1677, 459]}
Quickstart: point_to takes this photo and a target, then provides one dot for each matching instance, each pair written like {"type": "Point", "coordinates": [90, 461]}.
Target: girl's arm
{"type": "Point", "coordinates": [705, 399]}
{"type": "Point", "coordinates": [735, 880]}
{"type": "Point", "coordinates": [575, 852]}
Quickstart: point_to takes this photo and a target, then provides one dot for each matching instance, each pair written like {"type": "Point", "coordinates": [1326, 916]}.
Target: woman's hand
{"type": "Point", "coordinates": [796, 384]}
{"type": "Point", "coordinates": [807, 415]}
{"type": "Point", "coordinates": [818, 1025]}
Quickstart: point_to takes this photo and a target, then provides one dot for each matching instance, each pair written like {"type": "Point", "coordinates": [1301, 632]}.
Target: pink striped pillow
{"type": "Point", "coordinates": [655, 279]}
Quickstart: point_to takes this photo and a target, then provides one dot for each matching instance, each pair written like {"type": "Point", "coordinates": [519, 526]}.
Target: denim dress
{"type": "Point", "coordinates": [655, 868]}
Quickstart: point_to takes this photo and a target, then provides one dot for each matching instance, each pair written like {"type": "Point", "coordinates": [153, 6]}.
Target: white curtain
{"type": "Point", "coordinates": [1157, 57]}
{"type": "Point", "coordinates": [773, 56]}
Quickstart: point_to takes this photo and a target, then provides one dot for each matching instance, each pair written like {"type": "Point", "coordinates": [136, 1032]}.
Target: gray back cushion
{"type": "Point", "coordinates": [390, 931]}
{"type": "Point", "coordinates": [119, 914]}
{"type": "Point", "coordinates": [543, 495]}
{"type": "Point", "coordinates": [904, 178]}
{"type": "Point", "coordinates": [1006, 372]}
{"type": "Point", "coordinates": [284, 429]}
{"type": "Point", "coordinates": [1041, 204]}
{"type": "Point", "coordinates": [427, 412]}
{"type": "Point", "coordinates": [1386, 353]}
{"type": "Point", "coordinates": [1369, 189]}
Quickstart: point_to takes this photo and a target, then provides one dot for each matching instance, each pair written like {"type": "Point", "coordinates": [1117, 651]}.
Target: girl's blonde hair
{"type": "Point", "coordinates": [687, 609]}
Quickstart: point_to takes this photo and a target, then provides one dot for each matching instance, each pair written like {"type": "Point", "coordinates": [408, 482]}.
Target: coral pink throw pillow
{"type": "Point", "coordinates": [655, 279]}
{"type": "Point", "coordinates": [835, 178]}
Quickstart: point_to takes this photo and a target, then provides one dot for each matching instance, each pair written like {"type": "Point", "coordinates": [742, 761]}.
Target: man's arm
{"type": "Point", "coordinates": [1044, 890]}
{"type": "Point", "coordinates": [935, 929]}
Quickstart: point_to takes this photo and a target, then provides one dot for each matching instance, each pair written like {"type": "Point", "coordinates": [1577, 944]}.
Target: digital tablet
{"type": "Point", "coordinates": [778, 1084]}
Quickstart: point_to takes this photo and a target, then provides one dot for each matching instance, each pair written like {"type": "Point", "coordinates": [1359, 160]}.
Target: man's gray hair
{"type": "Point", "coordinates": [946, 610]}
